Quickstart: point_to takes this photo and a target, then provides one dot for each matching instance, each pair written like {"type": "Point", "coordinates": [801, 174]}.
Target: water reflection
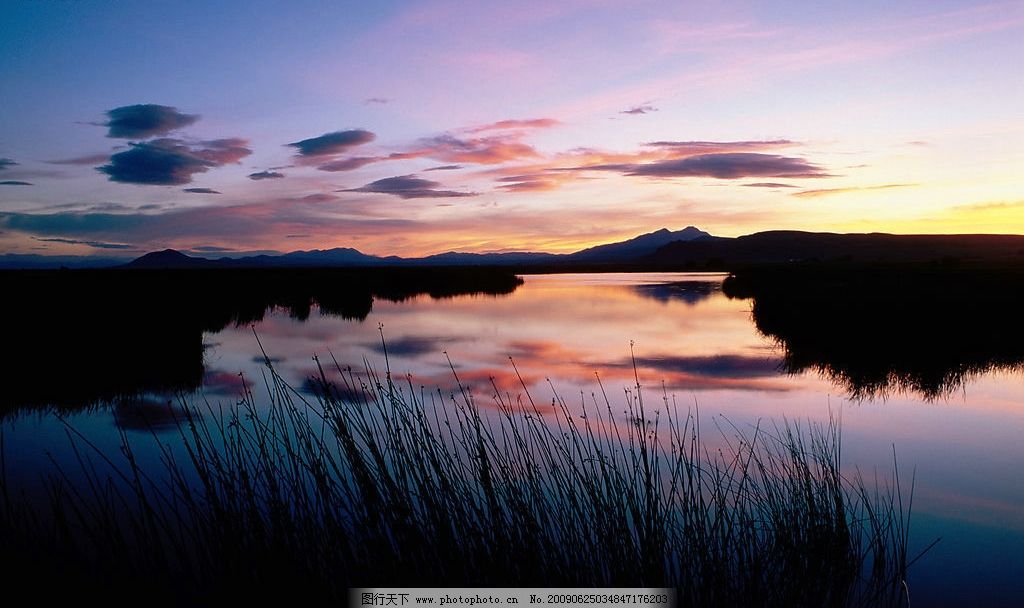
{"type": "Point", "coordinates": [690, 292]}
{"type": "Point", "coordinates": [562, 328]}
{"type": "Point", "coordinates": [141, 335]}
{"type": "Point", "coordinates": [83, 337]}
{"type": "Point", "coordinates": [876, 334]}
{"type": "Point", "coordinates": [869, 335]}
{"type": "Point", "coordinates": [147, 414]}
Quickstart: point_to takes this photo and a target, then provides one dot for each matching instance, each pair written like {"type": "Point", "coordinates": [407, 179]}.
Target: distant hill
{"type": "Point", "coordinates": [687, 247]}
{"type": "Point", "coordinates": [455, 258]}
{"type": "Point", "coordinates": [792, 246]}
{"type": "Point", "coordinates": [645, 244]}
{"type": "Point", "coordinates": [168, 258]}
{"type": "Point", "coordinates": [36, 261]}
{"type": "Point", "coordinates": [662, 248]}
{"type": "Point", "coordinates": [621, 252]}
{"type": "Point", "coordinates": [339, 256]}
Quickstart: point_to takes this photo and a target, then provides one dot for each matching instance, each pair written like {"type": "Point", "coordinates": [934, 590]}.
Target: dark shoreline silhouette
{"type": "Point", "coordinates": [793, 246]}
{"type": "Point", "coordinates": [78, 337]}
{"type": "Point", "coordinates": [880, 329]}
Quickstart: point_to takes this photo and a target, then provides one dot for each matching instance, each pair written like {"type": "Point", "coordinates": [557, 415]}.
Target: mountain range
{"type": "Point", "coordinates": [620, 252]}
{"type": "Point", "coordinates": [689, 247]}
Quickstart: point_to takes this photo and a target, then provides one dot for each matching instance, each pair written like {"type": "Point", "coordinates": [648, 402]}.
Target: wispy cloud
{"type": "Point", "coordinates": [250, 226]}
{"type": "Point", "coordinates": [329, 144]}
{"type": "Point", "coordinates": [832, 191]}
{"type": "Point", "coordinates": [89, 159]}
{"type": "Point", "coordinates": [409, 186]}
{"type": "Point", "coordinates": [488, 144]}
{"type": "Point", "coordinates": [201, 190]}
{"type": "Point", "coordinates": [490, 150]}
{"type": "Point", "coordinates": [661, 159]}
{"type": "Point", "coordinates": [990, 206]}
{"type": "Point", "coordinates": [266, 175]}
{"type": "Point", "coordinates": [730, 165]}
{"type": "Point", "coordinates": [94, 244]}
{"type": "Point", "coordinates": [6, 162]}
{"type": "Point", "coordinates": [71, 223]}
{"type": "Point", "coordinates": [505, 125]}
{"type": "Point", "coordinates": [15, 182]}
{"type": "Point", "coordinates": [350, 164]}
{"type": "Point", "coordinates": [541, 181]}
{"type": "Point", "coordinates": [641, 109]}
{"type": "Point", "coordinates": [686, 148]}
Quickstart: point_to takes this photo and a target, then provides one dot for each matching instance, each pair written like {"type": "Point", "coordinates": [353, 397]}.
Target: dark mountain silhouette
{"type": "Point", "coordinates": [476, 259]}
{"type": "Point", "coordinates": [621, 252]}
{"type": "Point", "coordinates": [644, 244]}
{"type": "Point", "coordinates": [168, 259]}
{"type": "Point", "coordinates": [12, 261]}
{"type": "Point", "coordinates": [339, 256]}
{"type": "Point", "coordinates": [794, 246]}
{"type": "Point", "coordinates": [686, 248]}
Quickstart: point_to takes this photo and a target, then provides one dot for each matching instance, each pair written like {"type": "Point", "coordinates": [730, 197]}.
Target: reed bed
{"type": "Point", "coordinates": [378, 482]}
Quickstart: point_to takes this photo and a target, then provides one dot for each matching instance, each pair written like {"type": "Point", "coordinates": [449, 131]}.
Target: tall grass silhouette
{"type": "Point", "coordinates": [377, 482]}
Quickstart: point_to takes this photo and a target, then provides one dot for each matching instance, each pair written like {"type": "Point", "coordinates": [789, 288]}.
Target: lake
{"type": "Point", "coordinates": [691, 347]}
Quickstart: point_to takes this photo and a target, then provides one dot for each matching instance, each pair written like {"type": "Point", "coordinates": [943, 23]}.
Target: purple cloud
{"type": "Point", "coordinates": [731, 165]}
{"type": "Point", "coordinates": [145, 120]}
{"type": "Point", "coordinates": [529, 123]}
{"type": "Point", "coordinates": [686, 148]}
{"type": "Point", "coordinates": [223, 151]}
{"type": "Point", "coordinates": [333, 143]}
{"type": "Point", "coordinates": [409, 186]}
{"type": "Point", "coordinates": [171, 162]}
{"type": "Point", "coordinates": [349, 164]}
{"type": "Point", "coordinates": [90, 159]}
{"type": "Point", "coordinates": [266, 175]}
{"type": "Point", "coordinates": [641, 109]}
{"type": "Point", "coordinates": [93, 244]}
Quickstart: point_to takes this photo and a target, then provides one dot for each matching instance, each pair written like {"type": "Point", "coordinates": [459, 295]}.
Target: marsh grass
{"type": "Point", "coordinates": [378, 482]}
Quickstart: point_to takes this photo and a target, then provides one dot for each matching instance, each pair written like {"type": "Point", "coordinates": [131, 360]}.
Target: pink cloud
{"type": "Point", "coordinates": [479, 150]}
{"type": "Point", "coordinates": [532, 123]}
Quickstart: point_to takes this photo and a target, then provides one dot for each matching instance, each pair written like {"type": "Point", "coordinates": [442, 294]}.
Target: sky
{"type": "Point", "coordinates": [413, 128]}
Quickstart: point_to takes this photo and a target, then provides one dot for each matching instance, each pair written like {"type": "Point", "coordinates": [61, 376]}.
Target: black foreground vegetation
{"type": "Point", "coordinates": [878, 330]}
{"type": "Point", "coordinates": [378, 482]}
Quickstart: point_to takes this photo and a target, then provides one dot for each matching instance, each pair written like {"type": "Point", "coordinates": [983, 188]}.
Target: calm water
{"type": "Point", "coordinates": [689, 342]}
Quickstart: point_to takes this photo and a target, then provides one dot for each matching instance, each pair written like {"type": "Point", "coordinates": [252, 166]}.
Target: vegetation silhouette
{"type": "Point", "coordinates": [778, 246]}
{"type": "Point", "coordinates": [382, 483]}
{"type": "Point", "coordinates": [79, 337]}
{"type": "Point", "coordinates": [880, 329]}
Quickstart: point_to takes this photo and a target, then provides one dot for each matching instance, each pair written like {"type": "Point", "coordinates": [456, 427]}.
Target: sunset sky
{"type": "Point", "coordinates": [413, 128]}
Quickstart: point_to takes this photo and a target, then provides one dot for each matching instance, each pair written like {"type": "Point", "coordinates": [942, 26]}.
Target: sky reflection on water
{"type": "Point", "coordinates": [690, 343]}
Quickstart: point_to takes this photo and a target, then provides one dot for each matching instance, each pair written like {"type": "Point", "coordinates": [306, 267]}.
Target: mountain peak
{"type": "Point", "coordinates": [167, 258]}
{"type": "Point", "coordinates": [639, 246]}
{"type": "Point", "coordinates": [623, 251]}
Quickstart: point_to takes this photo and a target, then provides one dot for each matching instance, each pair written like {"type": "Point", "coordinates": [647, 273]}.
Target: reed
{"type": "Point", "coordinates": [379, 482]}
